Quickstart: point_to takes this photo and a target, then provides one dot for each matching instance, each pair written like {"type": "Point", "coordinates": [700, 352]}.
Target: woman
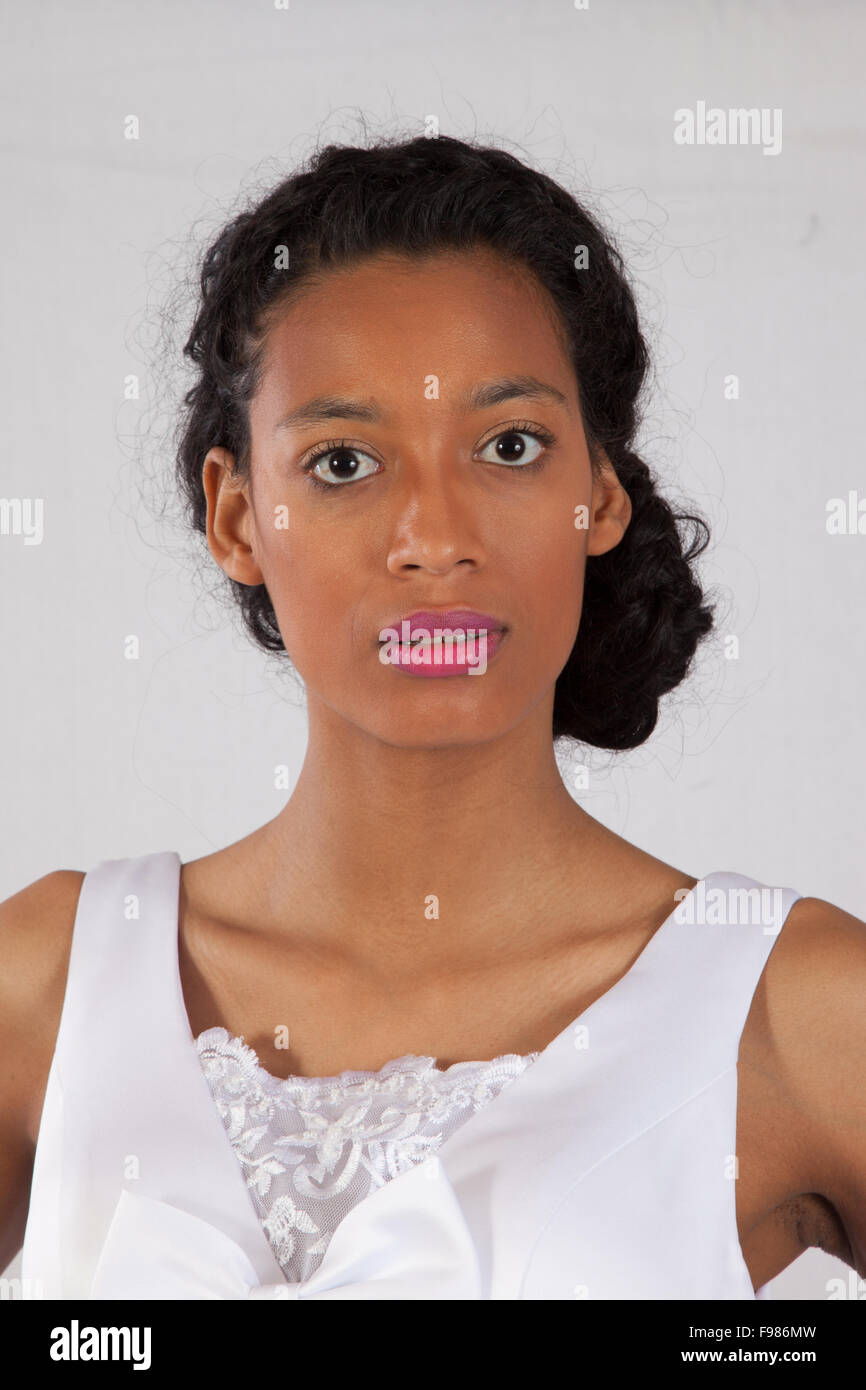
{"type": "Point", "coordinates": [432, 1031]}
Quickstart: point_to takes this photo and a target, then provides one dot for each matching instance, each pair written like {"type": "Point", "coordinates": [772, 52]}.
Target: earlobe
{"type": "Point", "coordinates": [230, 524]}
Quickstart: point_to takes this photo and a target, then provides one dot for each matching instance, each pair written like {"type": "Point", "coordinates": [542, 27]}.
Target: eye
{"type": "Point", "coordinates": [337, 463]}
{"type": "Point", "coordinates": [518, 447]}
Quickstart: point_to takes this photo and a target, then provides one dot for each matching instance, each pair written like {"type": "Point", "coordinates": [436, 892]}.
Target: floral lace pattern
{"type": "Point", "coordinates": [311, 1148]}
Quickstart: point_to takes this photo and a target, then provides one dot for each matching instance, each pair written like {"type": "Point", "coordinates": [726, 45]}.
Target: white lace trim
{"type": "Point", "coordinates": [312, 1147]}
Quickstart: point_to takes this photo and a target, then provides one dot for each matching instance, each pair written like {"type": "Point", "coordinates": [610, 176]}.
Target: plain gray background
{"type": "Point", "coordinates": [747, 264]}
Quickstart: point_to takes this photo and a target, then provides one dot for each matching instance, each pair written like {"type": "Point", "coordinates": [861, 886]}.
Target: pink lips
{"type": "Point", "coordinates": [483, 636]}
{"type": "Point", "coordinates": [454, 618]}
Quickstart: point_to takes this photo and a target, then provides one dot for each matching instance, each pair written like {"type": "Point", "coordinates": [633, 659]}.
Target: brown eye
{"type": "Point", "coordinates": [517, 448]}
{"type": "Point", "coordinates": [339, 464]}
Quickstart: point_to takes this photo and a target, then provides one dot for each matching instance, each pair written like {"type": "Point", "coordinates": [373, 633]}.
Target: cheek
{"type": "Point", "coordinates": [549, 566]}
{"type": "Point", "coordinates": [313, 582]}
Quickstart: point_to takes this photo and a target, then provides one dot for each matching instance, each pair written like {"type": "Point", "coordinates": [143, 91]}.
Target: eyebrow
{"type": "Point", "coordinates": [323, 408]}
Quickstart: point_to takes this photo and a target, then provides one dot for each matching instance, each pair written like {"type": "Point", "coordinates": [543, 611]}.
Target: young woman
{"type": "Point", "coordinates": [432, 1031]}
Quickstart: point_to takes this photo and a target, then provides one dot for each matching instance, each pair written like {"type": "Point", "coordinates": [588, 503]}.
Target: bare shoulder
{"type": "Point", "coordinates": [811, 1046]}
{"type": "Point", "coordinates": [813, 986]}
{"type": "Point", "coordinates": [36, 927]}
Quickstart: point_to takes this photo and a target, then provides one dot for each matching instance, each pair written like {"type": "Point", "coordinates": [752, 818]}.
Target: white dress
{"type": "Point", "coordinates": [602, 1167]}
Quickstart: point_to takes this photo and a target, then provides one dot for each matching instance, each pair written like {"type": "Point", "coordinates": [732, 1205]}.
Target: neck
{"type": "Point", "coordinates": [376, 839]}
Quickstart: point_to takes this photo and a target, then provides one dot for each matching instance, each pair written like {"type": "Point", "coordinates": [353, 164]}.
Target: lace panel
{"type": "Point", "coordinates": [311, 1148]}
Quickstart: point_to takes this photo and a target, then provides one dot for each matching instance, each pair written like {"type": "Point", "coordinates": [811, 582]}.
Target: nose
{"type": "Point", "coordinates": [435, 526]}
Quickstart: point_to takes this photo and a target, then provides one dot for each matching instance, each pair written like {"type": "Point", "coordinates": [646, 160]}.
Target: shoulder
{"type": "Point", "coordinates": [815, 978]}
{"type": "Point", "coordinates": [812, 1004]}
{"type": "Point", "coordinates": [36, 926]}
{"type": "Point", "coordinates": [35, 939]}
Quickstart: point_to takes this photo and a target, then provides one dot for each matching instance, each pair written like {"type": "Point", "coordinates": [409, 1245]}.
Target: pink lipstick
{"type": "Point", "coordinates": [452, 642]}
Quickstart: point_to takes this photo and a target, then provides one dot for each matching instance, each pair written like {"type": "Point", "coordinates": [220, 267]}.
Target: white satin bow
{"type": "Point", "coordinates": [407, 1240]}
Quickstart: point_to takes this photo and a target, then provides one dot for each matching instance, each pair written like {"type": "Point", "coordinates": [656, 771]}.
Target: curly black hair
{"type": "Point", "coordinates": [644, 610]}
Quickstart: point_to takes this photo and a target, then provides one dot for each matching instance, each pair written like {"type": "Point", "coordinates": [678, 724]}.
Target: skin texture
{"type": "Point", "coordinates": [401, 771]}
{"type": "Point", "coordinates": [317, 921]}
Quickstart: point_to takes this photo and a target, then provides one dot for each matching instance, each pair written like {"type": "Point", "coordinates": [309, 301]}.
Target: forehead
{"type": "Point", "coordinates": [389, 323]}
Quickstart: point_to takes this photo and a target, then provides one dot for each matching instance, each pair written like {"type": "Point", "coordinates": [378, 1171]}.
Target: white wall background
{"type": "Point", "coordinates": [749, 264]}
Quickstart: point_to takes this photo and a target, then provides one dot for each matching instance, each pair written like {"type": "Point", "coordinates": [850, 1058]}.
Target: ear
{"type": "Point", "coordinates": [230, 520]}
{"type": "Point", "coordinates": [610, 509]}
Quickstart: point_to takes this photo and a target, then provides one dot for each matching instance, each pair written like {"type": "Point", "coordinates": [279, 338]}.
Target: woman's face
{"type": "Point", "coordinates": [453, 475]}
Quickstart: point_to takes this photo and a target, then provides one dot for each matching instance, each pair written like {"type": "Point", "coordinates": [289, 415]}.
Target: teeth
{"type": "Point", "coordinates": [423, 634]}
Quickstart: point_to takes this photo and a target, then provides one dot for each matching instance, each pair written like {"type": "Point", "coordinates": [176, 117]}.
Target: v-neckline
{"type": "Point", "coordinates": [545, 1060]}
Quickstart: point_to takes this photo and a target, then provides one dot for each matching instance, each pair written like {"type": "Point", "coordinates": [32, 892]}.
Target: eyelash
{"type": "Point", "coordinates": [538, 432]}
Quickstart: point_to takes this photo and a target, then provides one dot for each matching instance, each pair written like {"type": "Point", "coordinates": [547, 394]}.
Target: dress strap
{"type": "Point", "coordinates": [127, 1105]}
{"type": "Point", "coordinates": [712, 954]}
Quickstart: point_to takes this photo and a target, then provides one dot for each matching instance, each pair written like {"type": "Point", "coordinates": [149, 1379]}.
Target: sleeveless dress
{"type": "Point", "coordinates": [602, 1167]}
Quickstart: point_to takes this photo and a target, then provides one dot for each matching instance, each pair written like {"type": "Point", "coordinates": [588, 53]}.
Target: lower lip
{"type": "Point", "coordinates": [428, 669]}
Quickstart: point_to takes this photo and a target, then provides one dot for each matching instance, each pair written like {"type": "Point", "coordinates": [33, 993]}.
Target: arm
{"type": "Point", "coordinates": [816, 1010]}
{"type": "Point", "coordinates": [35, 941]}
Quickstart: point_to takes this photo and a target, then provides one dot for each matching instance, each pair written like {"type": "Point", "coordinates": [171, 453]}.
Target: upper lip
{"type": "Point", "coordinates": [431, 618]}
